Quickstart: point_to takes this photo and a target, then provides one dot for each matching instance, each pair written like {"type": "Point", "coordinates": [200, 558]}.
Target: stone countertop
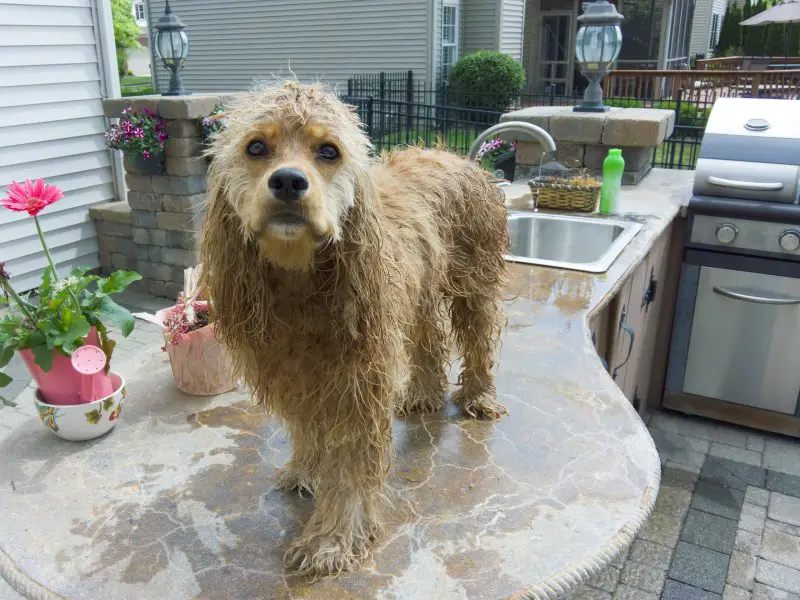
{"type": "Point", "coordinates": [179, 501]}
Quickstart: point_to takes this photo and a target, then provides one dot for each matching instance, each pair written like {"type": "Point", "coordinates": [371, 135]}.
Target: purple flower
{"type": "Point", "coordinates": [146, 153]}
{"type": "Point", "coordinates": [162, 137]}
{"type": "Point", "coordinates": [148, 112]}
{"type": "Point", "coordinates": [126, 111]}
{"type": "Point", "coordinates": [138, 132]}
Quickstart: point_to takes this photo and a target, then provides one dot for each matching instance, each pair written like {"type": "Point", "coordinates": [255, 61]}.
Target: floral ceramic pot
{"type": "Point", "coordinates": [81, 422]}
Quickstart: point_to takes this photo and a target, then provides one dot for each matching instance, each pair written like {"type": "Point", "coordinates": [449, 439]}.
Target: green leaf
{"type": "Point", "coordinates": [73, 336]}
{"type": "Point", "coordinates": [106, 344]}
{"type": "Point", "coordinates": [6, 352]}
{"type": "Point", "coordinates": [79, 271]}
{"type": "Point", "coordinates": [46, 286]}
{"type": "Point", "coordinates": [4, 380]}
{"type": "Point", "coordinates": [93, 416]}
{"type": "Point", "coordinates": [116, 314]}
{"type": "Point", "coordinates": [43, 356]}
{"type": "Point", "coordinates": [118, 281]}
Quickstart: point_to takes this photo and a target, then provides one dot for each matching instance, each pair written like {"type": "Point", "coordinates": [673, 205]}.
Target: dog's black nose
{"type": "Point", "coordinates": [288, 185]}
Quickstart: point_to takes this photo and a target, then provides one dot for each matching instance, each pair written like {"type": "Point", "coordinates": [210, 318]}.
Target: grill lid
{"type": "Point", "coordinates": [751, 150]}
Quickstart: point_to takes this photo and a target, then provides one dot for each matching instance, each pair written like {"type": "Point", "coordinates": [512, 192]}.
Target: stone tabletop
{"type": "Point", "coordinates": [179, 500]}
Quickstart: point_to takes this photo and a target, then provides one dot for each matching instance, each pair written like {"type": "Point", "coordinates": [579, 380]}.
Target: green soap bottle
{"type": "Point", "coordinates": [613, 167]}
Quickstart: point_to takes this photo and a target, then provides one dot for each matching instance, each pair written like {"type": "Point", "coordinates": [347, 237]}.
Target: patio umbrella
{"type": "Point", "coordinates": [787, 11]}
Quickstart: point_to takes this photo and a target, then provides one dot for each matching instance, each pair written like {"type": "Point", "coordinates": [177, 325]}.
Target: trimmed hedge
{"type": "Point", "coordinates": [486, 80]}
{"type": "Point", "coordinates": [690, 115]}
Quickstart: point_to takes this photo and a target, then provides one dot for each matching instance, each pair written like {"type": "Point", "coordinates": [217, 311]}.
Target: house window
{"type": "Point", "coordinates": [712, 43]}
{"type": "Point", "coordinates": [449, 38]}
{"type": "Point", "coordinates": [138, 11]}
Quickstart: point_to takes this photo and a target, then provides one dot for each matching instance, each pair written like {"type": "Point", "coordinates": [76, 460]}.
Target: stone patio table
{"type": "Point", "coordinates": [179, 500]}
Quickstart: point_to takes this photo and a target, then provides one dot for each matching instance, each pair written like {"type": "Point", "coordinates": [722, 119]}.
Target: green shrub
{"type": "Point", "coordinates": [690, 115]}
{"type": "Point", "coordinates": [487, 80]}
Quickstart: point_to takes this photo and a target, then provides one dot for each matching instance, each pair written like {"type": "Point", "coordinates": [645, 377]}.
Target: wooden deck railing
{"type": "Point", "coordinates": [747, 63]}
{"type": "Point", "coordinates": [702, 86]}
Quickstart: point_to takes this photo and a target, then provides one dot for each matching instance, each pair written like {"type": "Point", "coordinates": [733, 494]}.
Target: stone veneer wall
{"type": "Point", "coordinates": [583, 139]}
{"type": "Point", "coordinates": [157, 232]}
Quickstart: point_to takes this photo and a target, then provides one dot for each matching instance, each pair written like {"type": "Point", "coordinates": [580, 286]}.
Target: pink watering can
{"type": "Point", "coordinates": [90, 361]}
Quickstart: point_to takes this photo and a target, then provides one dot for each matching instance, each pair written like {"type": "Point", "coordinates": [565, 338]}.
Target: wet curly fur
{"type": "Point", "coordinates": [340, 313]}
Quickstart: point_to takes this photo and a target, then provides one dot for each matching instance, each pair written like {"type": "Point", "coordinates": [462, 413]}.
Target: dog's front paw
{"type": "Point", "coordinates": [483, 405]}
{"type": "Point", "coordinates": [317, 556]}
{"type": "Point", "coordinates": [291, 478]}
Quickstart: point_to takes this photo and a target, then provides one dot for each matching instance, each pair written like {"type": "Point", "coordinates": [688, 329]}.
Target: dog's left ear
{"type": "Point", "coordinates": [365, 191]}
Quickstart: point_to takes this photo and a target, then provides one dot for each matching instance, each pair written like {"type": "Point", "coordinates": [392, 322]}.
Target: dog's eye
{"type": "Point", "coordinates": [257, 149]}
{"type": "Point", "coordinates": [328, 152]}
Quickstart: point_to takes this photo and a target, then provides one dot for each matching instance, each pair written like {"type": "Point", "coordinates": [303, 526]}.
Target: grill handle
{"type": "Point", "coordinates": [755, 299]}
{"type": "Point", "coordinates": [744, 185]}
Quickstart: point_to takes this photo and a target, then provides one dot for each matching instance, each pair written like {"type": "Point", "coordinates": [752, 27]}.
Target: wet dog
{"type": "Point", "coordinates": [337, 283]}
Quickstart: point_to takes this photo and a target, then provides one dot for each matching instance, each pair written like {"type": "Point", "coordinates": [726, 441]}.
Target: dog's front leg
{"type": "Point", "coordinates": [301, 473]}
{"type": "Point", "coordinates": [350, 493]}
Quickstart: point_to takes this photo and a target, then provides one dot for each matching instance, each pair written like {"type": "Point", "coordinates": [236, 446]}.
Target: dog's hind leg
{"type": "Point", "coordinates": [476, 326]}
{"type": "Point", "coordinates": [428, 354]}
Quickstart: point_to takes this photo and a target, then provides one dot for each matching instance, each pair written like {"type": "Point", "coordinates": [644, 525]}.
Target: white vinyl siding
{"type": "Point", "coordinates": [233, 43]}
{"type": "Point", "coordinates": [704, 11]}
{"type": "Point", "coordinates": [51, 127]}
{"type": "Point", "coordinates": [481, 18]}
{"type": "Point", "coordinates": [512, 25]}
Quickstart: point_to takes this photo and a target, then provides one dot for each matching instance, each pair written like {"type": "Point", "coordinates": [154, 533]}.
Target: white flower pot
{"type": "Point", "coordinates": [81, 422]}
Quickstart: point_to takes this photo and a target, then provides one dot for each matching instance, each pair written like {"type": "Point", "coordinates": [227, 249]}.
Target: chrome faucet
{"type": "Point", "coordinates": [525, 132]}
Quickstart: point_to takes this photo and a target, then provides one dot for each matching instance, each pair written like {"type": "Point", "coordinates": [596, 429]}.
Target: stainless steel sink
{"type": "Point", "coordinates": [567, 242]}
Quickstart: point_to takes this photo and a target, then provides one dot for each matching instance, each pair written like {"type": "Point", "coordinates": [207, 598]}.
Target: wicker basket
{"type": "Point", "coordinates": [558, 194]}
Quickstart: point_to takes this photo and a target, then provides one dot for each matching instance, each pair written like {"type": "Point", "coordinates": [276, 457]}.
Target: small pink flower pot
{"type": "Point", "coordinates": [62, 384]}
{"type": "Point", "coordinates": [200, 365]}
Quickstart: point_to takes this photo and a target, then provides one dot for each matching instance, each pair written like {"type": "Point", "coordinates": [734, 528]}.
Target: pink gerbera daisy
{"type": "Point", "coordinates": [31, 197]}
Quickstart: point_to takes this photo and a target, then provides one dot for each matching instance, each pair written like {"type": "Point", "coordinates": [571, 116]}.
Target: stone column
{"type": "Point", "coordinates": [583, 139]}
{"type": "Point", "coordinates": [167, 210]}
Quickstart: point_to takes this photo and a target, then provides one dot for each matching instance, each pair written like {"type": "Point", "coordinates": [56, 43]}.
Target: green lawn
{"type": "Point", "coordinates": [684, 157]}
{"type": "Point", "coordinates": [133, 85]}
{"type": "Point", "coordinates": [459, 140]}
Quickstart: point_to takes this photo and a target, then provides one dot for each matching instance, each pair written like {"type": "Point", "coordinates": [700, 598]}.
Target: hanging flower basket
{"type": "Point", "coordinates": [212, 125]}
{"type": "Point", "coordinates": [141, 137]}
{"type": "Point", "coordinates": [149, 166]}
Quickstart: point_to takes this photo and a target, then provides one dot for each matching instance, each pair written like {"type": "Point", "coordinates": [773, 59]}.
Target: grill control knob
{"type": "Point", "coordinates": [727, 233]}
{"type": "Point", "coordinates": [790, 240]}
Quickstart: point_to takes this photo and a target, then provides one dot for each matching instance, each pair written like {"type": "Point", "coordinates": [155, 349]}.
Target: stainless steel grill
{"type": "Point", "coordinates": [737, 325]}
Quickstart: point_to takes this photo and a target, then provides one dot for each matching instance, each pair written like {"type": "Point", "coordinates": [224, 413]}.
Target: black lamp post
{"type": "Point", "coordinates": [597, 46]}
{"type": "Point", "coordinates": [172, 46]}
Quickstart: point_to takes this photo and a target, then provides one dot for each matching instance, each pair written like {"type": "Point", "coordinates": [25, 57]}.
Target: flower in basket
{"type": "Point", "coordinates": [214, 123]}
{"type": "Point", "coordinates": [185, 317]}
{"type": "Point", "coordinates": [138, 134]}
{"type": "Point", "coordinates": [59, 316]}
{"type": "Point", "coordinates": [491, 151]}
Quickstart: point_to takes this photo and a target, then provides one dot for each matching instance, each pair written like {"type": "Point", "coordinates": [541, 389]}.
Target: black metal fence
{"type": "Point", "coordinates": [393, 123]}
{"type": "Point", "coordinates": [398, 110]}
